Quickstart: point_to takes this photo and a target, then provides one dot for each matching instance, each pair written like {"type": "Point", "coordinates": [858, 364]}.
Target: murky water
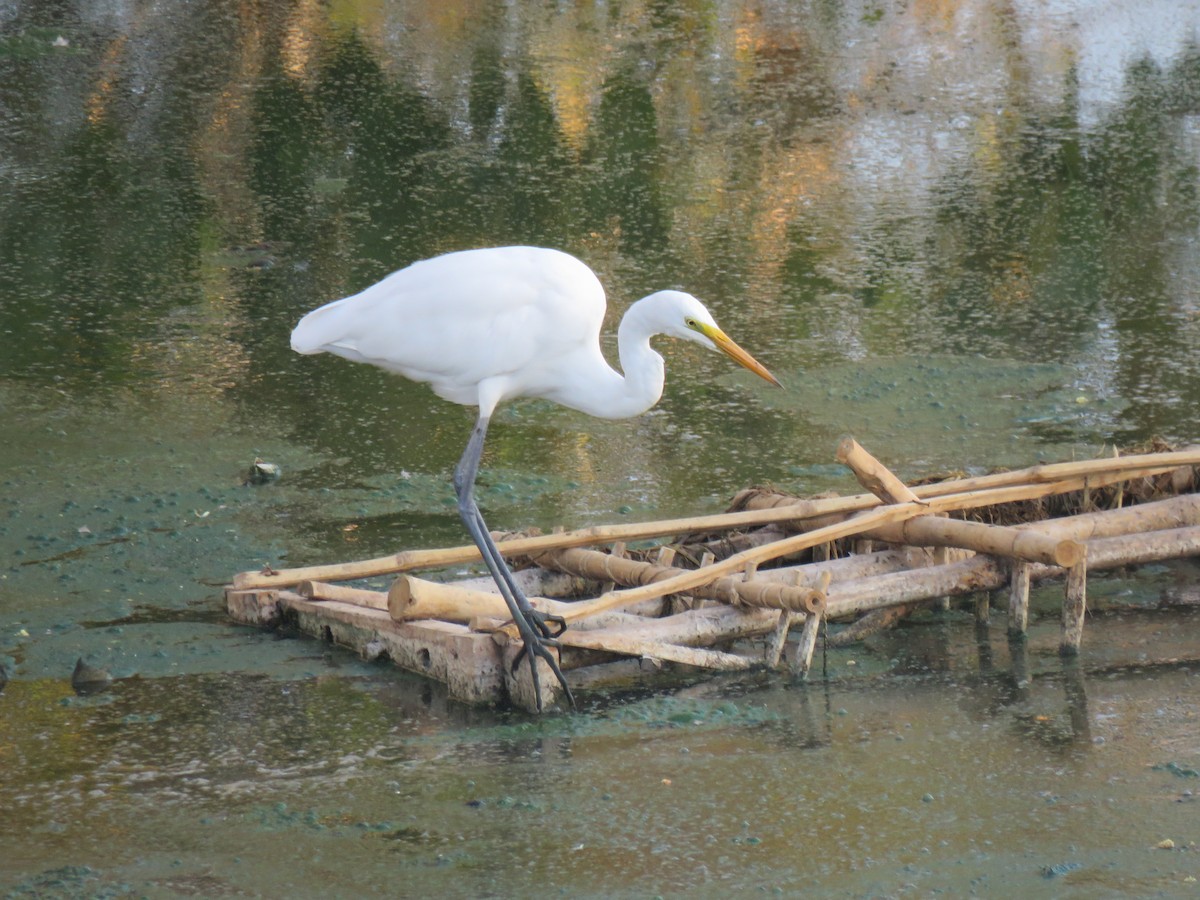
{"type": "Point", "coordinates": [964, 232]}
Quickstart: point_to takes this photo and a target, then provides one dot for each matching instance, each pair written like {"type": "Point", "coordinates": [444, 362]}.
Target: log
{"type": "Point", "coordinates": [1157, 515]}
{"type": "Point", "coordinates": [873, 622]}
{"type": "Point", "coordinates": [1072, 476]}
{"type": "Point", "coordinates": [319, 590]}
{"type": "Point", "coordinates": [995, 540]}
{"type": "Point", "coordinates": [415, 598]}
{"type": "Point", "coordinates": [599, 566]}
{"type": "Point", "coordinates": [411, 598]}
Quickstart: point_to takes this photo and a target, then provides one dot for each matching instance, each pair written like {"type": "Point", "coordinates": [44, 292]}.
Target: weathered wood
{"type": "Point", "coordinates": [468, 664]}
{"type": "Point", "coordinates": [705, 626]}
{"type": "Point", "coordinates": [872, 474]}
{"type": "Point", "coordinates": [1018, 598]}
{"type": "Point", "coordinates": [874, 621]}
{"type": "Point", "coordinates": [599, 566]}
{"type": "Point", "coordinates": [631, 645]}
{"type": "Point", "coordinates": [807, 644]}
{"type": "Point", "coordinates": [996, 540]}
{"type": "Point", "coordinates": [858, 524]}
{"type": "Point", "coordinates": [777, 638]}
{"type": "Point", "coordinates": [1074, 608]}
{"type": "Point", "coordinates": [411, 598]}
{"type": "Point", "coordinates": [979, 573]}
{"type": "Point", "coordinates": [319, 590]}
{"type": "Point", "coordinates": [1069, 476]}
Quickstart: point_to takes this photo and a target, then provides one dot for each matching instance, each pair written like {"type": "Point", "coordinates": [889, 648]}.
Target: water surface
{"type": "Point", "coordinates": [964, 232]}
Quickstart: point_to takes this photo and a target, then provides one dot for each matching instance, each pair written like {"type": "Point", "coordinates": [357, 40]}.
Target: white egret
{"type": "Point", "coordinates": [484, 326]}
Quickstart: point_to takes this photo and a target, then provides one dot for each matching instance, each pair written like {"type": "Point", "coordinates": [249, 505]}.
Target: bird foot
{"type": "Point", "coordinates": [540, 620]}
{"type": "Point", "coordinates": [536, 641]}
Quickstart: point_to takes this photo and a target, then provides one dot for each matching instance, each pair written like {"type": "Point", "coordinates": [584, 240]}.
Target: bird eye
{"type": "Point", "coordinates": [690, 322]}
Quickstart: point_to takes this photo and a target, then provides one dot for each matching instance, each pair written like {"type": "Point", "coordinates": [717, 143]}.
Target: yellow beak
{"type": "Point", "coordinates": [729, 347]}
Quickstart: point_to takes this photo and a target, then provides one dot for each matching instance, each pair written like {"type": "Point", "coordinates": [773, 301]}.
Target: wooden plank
{"type": "Point", "coordinates": [469, 664]}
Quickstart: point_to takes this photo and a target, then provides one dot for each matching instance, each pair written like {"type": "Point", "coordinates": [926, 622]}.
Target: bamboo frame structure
{"type": "Point", "coordinates": [661, 610]}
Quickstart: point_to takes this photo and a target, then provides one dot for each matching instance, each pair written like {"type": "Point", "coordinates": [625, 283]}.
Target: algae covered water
{"type": "Point", "coordinates": [965, 233]}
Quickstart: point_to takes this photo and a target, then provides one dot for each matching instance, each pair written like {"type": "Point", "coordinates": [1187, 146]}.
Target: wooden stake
{"type": "Point", "coordinates": [1074, 608]}
{"type": "Point", "coordinates": [1018, 598]}
{"type": "Point", "coordinates": [808, 643]}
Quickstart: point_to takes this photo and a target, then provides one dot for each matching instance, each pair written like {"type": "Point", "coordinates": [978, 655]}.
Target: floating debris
{"type": "Point", "coordinates": [262, 472]}
{"type": "Point", "coordinates": [88, 679]}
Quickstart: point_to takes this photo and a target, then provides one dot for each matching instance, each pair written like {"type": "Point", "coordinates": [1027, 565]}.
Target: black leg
{"type": "Point", "coordinates": [531, 624]}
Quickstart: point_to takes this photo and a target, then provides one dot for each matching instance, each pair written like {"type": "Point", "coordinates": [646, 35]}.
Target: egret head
{"type": "Point", "coordinates": [683, 316]}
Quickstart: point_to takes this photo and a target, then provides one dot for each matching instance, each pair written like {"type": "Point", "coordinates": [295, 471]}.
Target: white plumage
{"type": "Point", "coordinates": [484, 326]}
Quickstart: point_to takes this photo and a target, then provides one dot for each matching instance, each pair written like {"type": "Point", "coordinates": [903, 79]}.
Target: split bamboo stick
{"type": "Point", "coordinates": [872, 474]}
{"type": "Point", "coordinates": [781, 509]}
{"type": "Point", "coordinates": [630, 645]}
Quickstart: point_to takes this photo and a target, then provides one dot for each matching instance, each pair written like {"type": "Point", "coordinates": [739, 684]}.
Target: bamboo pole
{"type": "Point", "coordinates": [411, 598]}
{"type": "Point", "coordinates": [940, 532]}
{"type": "Point", "coordinates": [628, 572]}
{"type": "Point", "coordinates": [1094, 472]}
{"type": "Point", "coordinates": [865, 521]}
{"type": "Point", "coordinates": [995, 540]}
{"type": "Point", "coordinates": [979, 573]}
{"type": "Point", "coordinates": [318, 590]}
{"type": "Point", "coordinates": [872, 474]}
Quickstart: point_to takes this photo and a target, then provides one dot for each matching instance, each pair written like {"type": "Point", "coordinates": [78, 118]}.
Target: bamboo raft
{"type": "Point", "coordinates": [750, 576]}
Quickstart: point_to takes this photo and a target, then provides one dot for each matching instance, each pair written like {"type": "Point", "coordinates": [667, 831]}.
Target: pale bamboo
{"type": "Point", "coordinates": [785, 509]}
{"type": "Point", "coordinates": [411, 598]}
{"type": "Point", "coordinates": [628, 645]}
{"type": "Point", "coordinates": [872, 474]}
{"type": "Point", "coordinates": [997, 540]}
{"type": "Point", "coordinates": [628, 572]}
{"type": "Point", "coordinates": [319, 590]}
{"type": "Point", "coordinates": [852, 526]}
